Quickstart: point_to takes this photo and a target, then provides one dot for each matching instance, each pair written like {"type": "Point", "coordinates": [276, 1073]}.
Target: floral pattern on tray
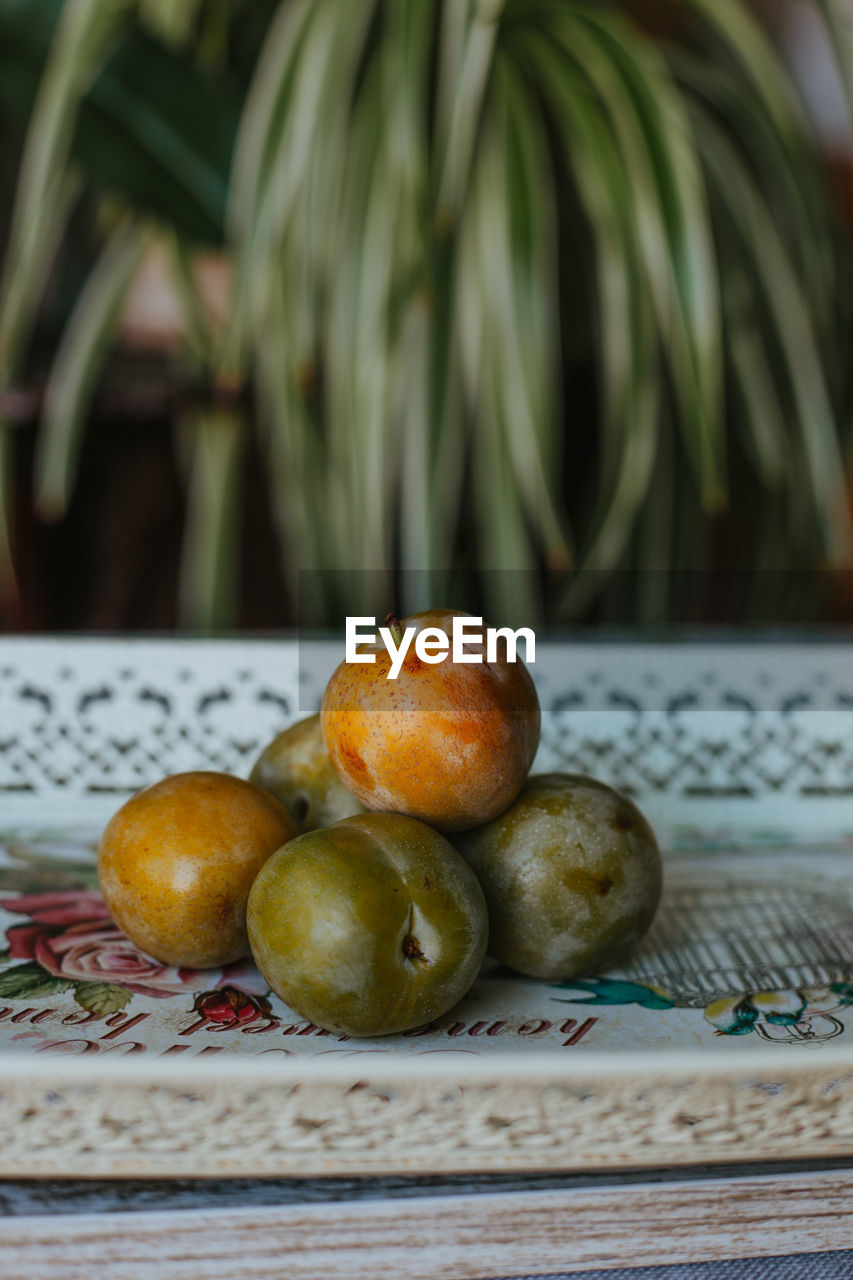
{"type": "Point", "coordinates": [69, 942]}
{"type": "Point", "coordinates": [72, 982]}
{"type": "Point", "coordinates": [785, 1015]}
{"type": "Point", "coordinates": [65, 942]}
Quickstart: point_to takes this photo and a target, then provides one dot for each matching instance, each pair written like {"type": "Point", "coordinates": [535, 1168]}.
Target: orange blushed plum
{"type": "Point", "coordinates": [447, 743]}
{"type": "Point", "coordinates": [177, 861]}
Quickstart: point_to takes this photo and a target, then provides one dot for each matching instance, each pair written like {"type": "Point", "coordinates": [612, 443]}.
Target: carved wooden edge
{"type": "Point", "coordinates": [68, 1119]}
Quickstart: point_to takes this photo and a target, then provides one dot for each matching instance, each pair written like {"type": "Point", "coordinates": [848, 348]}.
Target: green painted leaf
{"type": "Point", "coordinates": [26, 981]}
{"type": "Point", "coordinates": [101, 997]}
{"type": "Point", "coordinates": [44, 871]}
{"type": "Point", "coordinates": [45, 879]}
{"type": "Point", "coordinates": [615, 991]}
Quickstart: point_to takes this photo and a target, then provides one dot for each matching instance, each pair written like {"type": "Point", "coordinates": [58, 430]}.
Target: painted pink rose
{"type": "Point", "coordinates": [72, 935]}
{"type": "Point", "coordinates": [49, 914]}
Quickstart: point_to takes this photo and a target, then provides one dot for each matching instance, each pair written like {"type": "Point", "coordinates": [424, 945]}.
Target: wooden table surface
{"type": "Point", "coordinates": [778, 1222]}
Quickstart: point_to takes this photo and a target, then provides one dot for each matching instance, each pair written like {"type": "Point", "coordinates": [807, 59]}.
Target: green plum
{"type": "Point", "coordinates": [296, 769]}
{"type": "Point", "coordinates": [572, 876]}
{"type": "Point", "coordinates": [371, 926]}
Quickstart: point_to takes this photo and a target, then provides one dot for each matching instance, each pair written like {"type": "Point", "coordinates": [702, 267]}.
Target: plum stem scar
{"type": "Point", "coordinates": [411, 946]}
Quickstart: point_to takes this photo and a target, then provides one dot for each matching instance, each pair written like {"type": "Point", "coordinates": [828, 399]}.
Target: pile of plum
{"type": "Point", "coordinates": [382, 847]}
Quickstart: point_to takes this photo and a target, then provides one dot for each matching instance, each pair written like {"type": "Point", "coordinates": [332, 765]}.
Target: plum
{"type": "Point", "coordinates": [177, 861]}
{"type": "Point", "coordinates": [572, 876]}
{"type": "Point", "coordinates": [449, 743]}
{"type": "Point", "coordinates": [296, 769]}
{"type": "Point", "coordinates": [371, 926]}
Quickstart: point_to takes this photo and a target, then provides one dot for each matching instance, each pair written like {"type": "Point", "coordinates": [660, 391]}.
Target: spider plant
{"type": "Point", "coordinates": [434, 212]}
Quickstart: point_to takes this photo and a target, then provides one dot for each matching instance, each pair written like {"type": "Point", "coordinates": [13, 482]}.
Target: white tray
{"type": "Point", "coordinates": [728, 1037]}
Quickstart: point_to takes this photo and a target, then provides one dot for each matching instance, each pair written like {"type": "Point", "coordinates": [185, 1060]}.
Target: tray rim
{"type": "Point", "coordinates": [518, 1113]}
{"type": "Point", "coordinates": [127, 1116]}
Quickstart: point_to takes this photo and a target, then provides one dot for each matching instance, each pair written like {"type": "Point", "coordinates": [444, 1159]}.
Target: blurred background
{"type": "Point", "coordinates": [548, 301]}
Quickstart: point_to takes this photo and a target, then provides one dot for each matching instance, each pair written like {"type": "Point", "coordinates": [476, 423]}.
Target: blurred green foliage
{"type": "Point", "coordinates": [434, 212]}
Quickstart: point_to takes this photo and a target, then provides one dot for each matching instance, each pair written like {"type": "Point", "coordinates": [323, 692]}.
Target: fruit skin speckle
{"type": "Point", "coordinates": [177, 861]}
{"type": "Point", "coordinates": [572, 876]}
{"type": "Point", "coordinates": [447, 743]}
